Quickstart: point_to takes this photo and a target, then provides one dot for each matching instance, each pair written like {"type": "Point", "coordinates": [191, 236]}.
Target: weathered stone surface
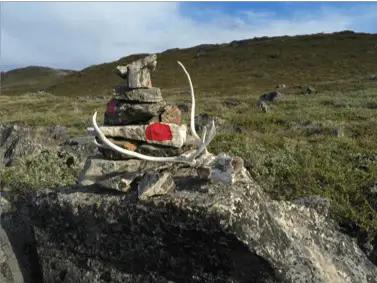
{"type": "Point", "coordinates": [155, 184]}
{"type": "Point", "coordinates": [119, 112]}
{"type": "Point", "coordinates": [116, 174]}
{"type": "Point", "coordinates": [172, 114]}
{"type": "Point", "coordinates": [222, 168]}
{"type": "Point", "coordinates": [321, 205]}
{"type": "Point", "coordinates": [152, 94]}
{"type": "Point", "coordinates": [147, 133]}
{"type": "Point", "coordinates": [138, 73]}
{"type": "Point", "coordinates": [80, 148]}
{"type": "Point", "coordinates": [19, 261]}
{"type": "Point", "coordinates": [58, 133]}
{"type": "Point", "coordinates": [10, 271]}
{"type": "Point", "coordinates": [200, 233]}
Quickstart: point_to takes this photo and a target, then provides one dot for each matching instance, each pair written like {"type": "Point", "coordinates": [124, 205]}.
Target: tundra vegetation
{"type": "Point", "coordinates": [320, 143]}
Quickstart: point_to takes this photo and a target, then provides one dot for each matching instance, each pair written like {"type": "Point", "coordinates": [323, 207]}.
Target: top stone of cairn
{"type": "Point", "coordinates": [138, 73]}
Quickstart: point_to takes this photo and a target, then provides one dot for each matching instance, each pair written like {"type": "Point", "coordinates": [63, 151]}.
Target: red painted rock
{"type": "Point", "coordinates": [111, 107]}
{"type": "Point", "coordinates": [158, 132]}
{"type": "Point", "coordinates": [172, 114]}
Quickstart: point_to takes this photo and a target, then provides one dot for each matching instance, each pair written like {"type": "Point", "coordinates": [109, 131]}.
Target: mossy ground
{"type": "Point", "coordinates": [291, 151]}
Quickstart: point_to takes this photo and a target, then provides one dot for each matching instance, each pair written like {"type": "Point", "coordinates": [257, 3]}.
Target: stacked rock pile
{"type": "Point", "coordinates": [137, 119]}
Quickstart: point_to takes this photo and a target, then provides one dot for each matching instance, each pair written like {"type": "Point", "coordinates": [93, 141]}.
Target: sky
{"type": "Point", "coordinates": [75, 35]}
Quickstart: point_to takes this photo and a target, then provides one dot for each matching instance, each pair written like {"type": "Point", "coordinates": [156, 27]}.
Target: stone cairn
{"type": "Point", "coordinates": [138, 119]}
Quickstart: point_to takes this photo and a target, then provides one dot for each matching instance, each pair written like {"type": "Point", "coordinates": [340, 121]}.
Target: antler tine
{"type": "Point", "coordinates": [204, 133]}
{"type": "Point", "coordinates": [206, 140]}
{"type": "Point", "coordinates": [192, 118]}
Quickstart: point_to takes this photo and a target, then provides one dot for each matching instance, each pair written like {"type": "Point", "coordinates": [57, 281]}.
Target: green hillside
{"type": "Point", "coordinates": [322, 60]}
{"type": "Point", "coordinates": [319, 144]}
{"type": "Point", "coordinates": [29, 79]}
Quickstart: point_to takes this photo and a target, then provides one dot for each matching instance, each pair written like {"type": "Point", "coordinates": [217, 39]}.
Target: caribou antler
{"type": "Point", "coordinates": [190, 158]}
{"type": "Point", "coordinates": [192, 117]}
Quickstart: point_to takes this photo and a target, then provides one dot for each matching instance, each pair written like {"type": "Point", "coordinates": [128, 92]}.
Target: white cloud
{"type": "Point", "coordinates": [79, 34]}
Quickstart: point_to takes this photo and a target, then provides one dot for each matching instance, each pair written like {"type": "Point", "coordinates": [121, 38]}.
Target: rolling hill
{"type": "Point", "coordinates": [338, 60]}
{"type": "Point", "coordinates": [31, 78]}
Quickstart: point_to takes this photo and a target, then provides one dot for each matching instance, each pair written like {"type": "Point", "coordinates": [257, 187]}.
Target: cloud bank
{"type": "Point", "coordinates": [75, 35]}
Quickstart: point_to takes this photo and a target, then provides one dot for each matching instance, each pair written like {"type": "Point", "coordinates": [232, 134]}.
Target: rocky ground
{"type": "Point", "coordinates": [199, 232]}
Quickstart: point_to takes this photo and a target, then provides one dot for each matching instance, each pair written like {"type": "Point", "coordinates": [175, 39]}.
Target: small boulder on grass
{"type": "Point", "coordinates": [338, 132]}
{"type": "Point", "coordinates": [262, 105]}
{"type": "Point", "coordinates": [271, 96]}
{"type": "Point", "coordinates": [231, 103]}
{"type": "Point", "coordinates": [306, 89]}
{"type": "Point", "coordinates": [280, 86]}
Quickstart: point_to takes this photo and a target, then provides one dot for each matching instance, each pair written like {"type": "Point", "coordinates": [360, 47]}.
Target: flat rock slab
{"type": "Point", "coordinates": [144, 95]}
{"type": "Point", "coordinates": [212, 233]}
{"type": "Point", "coordinates": [147, 149]}
{"type": "Point", "coordinates": [116, 174]}
{"type": "Point", "coordinates": [166, 134]}
{"type": "Point", "coordinates": [119, 112]}
{"type": "Point", "coordinates": [138, 73]}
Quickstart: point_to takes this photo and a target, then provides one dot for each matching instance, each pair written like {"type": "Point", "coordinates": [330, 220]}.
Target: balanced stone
{"type": "Point", "coordinates": [137, 74]}
{"type": "Point", "coordinates": [158, 133]}
{"type": "Point", "coordinates": [120, 112]}
{"type": "Point", "coordinates": [152, 94]}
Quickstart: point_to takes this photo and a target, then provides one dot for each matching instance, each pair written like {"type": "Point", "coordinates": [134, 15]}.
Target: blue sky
{"type": "Point", "coordinates": [75, 35]}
